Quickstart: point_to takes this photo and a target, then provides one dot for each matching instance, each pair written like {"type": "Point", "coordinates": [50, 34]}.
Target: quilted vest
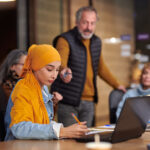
{"type": "Point", "coordinates": [77, 61]}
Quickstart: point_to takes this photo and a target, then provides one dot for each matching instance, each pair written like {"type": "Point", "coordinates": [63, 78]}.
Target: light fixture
{"type": "Point", "coordinates": [112, 40]}
{"type": "Point", "coordinates": [7, 0]}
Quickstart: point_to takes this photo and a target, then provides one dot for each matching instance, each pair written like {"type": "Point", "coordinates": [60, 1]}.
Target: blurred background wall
{"type": "Point", "coordinates": [24, 22]}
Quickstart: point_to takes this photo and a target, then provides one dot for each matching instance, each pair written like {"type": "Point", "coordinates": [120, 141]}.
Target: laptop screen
{"type": "Point", "coordinates": [131, 123]}
{"type": "Point", "coordinates": [132, 120]}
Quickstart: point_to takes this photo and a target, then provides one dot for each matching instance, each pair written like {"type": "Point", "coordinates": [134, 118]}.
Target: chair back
{"type": "Point", "coordinates": [2, 126]}
{"type": "Point", "coordinates": [114, 99]}
{"type": "Point", "coordinates": [3, 104]}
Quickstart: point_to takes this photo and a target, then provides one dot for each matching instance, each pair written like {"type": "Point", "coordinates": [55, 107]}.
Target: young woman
{"type": "Point", "coordinates": [142, 90]}
{"type": "Point", "coordinates": [32, 109]}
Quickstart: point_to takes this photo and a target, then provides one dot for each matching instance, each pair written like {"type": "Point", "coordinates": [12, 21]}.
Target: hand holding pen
{"type": "Point", "coordinates": [66, 75]}
{"type": "Point", "coordinates": [75, 130]}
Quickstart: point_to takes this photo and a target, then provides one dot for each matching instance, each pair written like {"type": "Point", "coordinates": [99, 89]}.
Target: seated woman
{"type": "Point", "coordinates": [142, 90]}
{"type": "Point", "coordinates": [32, 109]}
{"type": "Point", "coordinates": [10, 70]}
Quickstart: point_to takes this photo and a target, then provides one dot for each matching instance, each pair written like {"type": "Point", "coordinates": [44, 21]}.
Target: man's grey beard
{"type": "Point", "coordinates": [86, 37]}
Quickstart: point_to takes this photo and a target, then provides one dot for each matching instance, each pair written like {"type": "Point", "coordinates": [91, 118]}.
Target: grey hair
{"type": "Point", "coordinates": [12, 58]}
{"type": "Point", "coordinates": [85, 8]}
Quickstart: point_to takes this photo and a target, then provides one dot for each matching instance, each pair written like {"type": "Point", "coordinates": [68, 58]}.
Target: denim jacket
{"type": "Point", "coordinates": [29, 130]}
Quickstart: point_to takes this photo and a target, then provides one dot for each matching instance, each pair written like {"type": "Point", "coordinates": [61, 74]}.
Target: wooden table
{"type": "Point", "coordinates": [134, 144]}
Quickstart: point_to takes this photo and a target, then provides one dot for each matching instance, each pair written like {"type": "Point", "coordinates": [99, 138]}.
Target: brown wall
{"type": "Point", "coordinates": [47, 20]}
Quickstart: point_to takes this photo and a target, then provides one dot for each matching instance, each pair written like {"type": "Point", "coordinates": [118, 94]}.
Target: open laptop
{"type": "Point", "coordinates": [131, 123]}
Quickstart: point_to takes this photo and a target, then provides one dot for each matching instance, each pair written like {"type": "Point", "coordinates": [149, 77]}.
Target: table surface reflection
{"type": "Point", "coordinates": [134, 144]}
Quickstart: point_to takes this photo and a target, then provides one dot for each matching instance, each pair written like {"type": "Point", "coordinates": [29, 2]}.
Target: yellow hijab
{"type": "Point", "coordinates": [39, 56]}
{"type": "Point", "coordinates": [27, 96]}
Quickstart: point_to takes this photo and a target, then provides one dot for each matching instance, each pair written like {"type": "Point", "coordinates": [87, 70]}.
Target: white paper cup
{"type": "Point", "coordinates": [99, 146]}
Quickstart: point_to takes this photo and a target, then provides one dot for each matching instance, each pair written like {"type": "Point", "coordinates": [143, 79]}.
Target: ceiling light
{"type": "Point", "coordinates": [7, 0]}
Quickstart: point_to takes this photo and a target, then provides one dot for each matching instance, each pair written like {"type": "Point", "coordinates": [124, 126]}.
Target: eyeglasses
{"type": "Point", "coordinates": [19, 64]}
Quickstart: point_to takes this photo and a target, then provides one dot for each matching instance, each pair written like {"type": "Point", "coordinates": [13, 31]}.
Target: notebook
{"type": "Point", "coordinates": [131, 123]}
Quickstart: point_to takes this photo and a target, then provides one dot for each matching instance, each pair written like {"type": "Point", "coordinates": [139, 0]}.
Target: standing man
{"type": "Point", "coordinates": [80, 50]}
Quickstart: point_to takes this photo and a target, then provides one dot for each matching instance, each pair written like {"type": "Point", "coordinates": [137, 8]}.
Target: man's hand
{"type": "Point", "coordinates": [122, 88]}
{"type": "Point", "coordinates": [66, 75]}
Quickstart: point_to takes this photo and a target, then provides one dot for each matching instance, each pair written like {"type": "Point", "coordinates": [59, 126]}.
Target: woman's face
{"type": "Point", "coordinates": [48, 74]}
{"type": "Point", "coordinates": [146, 78]}
{"type": "Point", "coordinates": [18, 67]}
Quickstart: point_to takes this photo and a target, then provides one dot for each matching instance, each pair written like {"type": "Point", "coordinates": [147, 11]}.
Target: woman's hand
{"type": "Point", "coordinates": [74, 131]}
{"type": "Point", "coordinates": [56, 98]}
{"type": "Point", "coordinates": [66, 75]}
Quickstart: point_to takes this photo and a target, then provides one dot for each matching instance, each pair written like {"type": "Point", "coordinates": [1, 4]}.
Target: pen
{"type": "Point", "coordinates": [66, 73]}
{"type": "Point", "coordinates": [73, 115]}
{"type": "Point", "coordinates": [107, 125]}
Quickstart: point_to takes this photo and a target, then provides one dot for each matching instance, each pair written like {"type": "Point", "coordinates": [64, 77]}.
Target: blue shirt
{"type": "Point", "coordinates": [29, 130]}
{"type": "Point", "coordinates": [139, 91]}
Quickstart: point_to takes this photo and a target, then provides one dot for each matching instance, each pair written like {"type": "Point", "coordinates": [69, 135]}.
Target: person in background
{"type": "Point", "coordinates": [80, 50]}
{"type": "Point", "coordinates": [10, 70]}
{"type": "Point", "coordinates": [32, 109]}
{"type": "Point", "coordinates": [142, 90]}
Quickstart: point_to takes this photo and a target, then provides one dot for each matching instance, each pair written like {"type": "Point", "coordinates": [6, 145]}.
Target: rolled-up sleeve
{"type": "Point", "coordinates": [56, 128]}
{"type": "Point", "coordinates": [29, 130]}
